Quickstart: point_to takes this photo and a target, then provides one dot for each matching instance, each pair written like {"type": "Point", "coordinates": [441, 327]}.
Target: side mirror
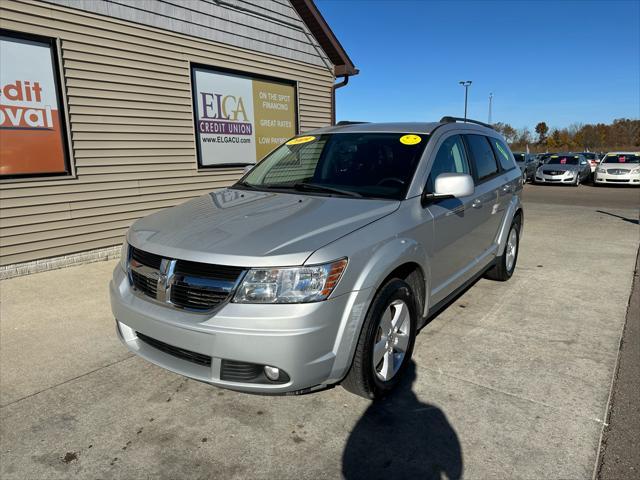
{"type": "Point", "coordinates": [450, 185]}
{"type": "Point", "coordinates": [247, 169]}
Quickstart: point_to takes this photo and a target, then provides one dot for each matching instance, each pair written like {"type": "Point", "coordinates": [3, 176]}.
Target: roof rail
{"type": "Point", "coordinates": [465, 120]}
{"type": "Point", "coordinates": [348, 122]}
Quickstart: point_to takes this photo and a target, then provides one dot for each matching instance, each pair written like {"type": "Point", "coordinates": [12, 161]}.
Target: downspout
{"type": "Point", "coordinates": [345, 80]}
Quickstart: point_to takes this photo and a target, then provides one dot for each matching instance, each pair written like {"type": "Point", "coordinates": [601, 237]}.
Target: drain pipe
{"type": "Point", "coordinates": [345, 80]}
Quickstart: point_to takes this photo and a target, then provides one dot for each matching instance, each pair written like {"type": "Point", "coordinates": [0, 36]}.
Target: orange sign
{"type": "Point", "coordinates": [31, 133]}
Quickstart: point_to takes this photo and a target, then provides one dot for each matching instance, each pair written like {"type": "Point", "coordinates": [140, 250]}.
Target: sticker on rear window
{"type": "Point", "coordinates": [410, 139]}
{"type": "Point", "coordinates": [299, 140]}
{"type": "Point", "coordinates": [502, 151]}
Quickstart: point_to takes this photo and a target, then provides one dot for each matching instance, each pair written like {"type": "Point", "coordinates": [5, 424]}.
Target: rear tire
{"type": "Point", "coordinates": [373, 381]}
{"type": "Point", "coordinates": [506, 263]}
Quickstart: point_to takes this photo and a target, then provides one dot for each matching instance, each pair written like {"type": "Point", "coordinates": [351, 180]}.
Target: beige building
{"type": "Point", "coordinates": [113, 109]}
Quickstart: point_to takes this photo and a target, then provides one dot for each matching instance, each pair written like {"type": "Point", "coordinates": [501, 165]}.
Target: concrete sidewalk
{"type": "Point", "coordinates": [512, 381]}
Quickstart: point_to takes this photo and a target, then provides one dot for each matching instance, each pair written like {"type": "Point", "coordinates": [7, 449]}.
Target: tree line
{"type": "Point", "coordinates": [620, 135]}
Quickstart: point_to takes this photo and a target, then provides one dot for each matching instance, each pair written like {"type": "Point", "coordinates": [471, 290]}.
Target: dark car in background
{"type": "Point", "coordinates": [593, 158]}
{"type": "Point", "coordinates": [564, 168]}
{"type": "Point", "coordinates": [528, 164]}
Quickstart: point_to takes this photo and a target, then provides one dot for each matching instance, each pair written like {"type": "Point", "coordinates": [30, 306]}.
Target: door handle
{"type": "Point", "coordinates": [477, 203]}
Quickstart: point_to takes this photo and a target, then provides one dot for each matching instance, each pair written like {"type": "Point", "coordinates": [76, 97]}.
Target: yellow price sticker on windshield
{"type": "Point", "coordinates": [299, 140]}
{"type": "Point", "coordinates": [410, 139]}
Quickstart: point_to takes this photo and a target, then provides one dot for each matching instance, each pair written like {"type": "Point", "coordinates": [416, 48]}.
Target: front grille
{"type": "Point", "coordinates": [178, 352]}
{"type": "Point", "coordinates": [553, 172]}
{"type": "Point", "coordinates": [205, 270]}
{"type": "Point", "coordinates": [146, 258]}
{"type": "Point", "coordinates": [147, 285]}
{"type": "Point", "coordinates": [193, 285]}
{"type": "Point", "coordinates": [617, 171]}
{"type": "Point", "coordinates": [189, 296]}
{"type": "Point", "coordinates": [617, 180]}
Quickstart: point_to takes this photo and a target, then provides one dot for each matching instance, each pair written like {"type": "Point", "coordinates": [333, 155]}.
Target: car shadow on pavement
{"type": "Point", "coordinates": [401, 437]}
{"type": "Point", "coordinates": [634, 221]}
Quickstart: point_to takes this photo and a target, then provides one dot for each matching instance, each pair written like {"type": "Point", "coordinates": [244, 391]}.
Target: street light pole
{"type": "Point", "coordinates": [490, 105]}
{"type": "Point", "coordinates": [465, 84]}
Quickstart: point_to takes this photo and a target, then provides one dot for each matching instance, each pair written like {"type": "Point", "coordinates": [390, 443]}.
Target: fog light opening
{"type": "Point", "coordinates": [272, 373]}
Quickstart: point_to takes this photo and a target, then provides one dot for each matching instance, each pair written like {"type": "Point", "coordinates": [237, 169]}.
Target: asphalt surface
{"type": "Point", "coordinates": [586, 195]}
{"type": "Point", "coordinates": [512, 380]}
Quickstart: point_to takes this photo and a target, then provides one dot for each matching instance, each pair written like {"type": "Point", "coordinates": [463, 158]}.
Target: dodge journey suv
{"type": "Point", "coordinates": [323, 262]}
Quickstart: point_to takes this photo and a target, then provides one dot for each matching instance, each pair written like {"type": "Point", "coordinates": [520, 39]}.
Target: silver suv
{"type": "Point", "coordinates": [322, 263]}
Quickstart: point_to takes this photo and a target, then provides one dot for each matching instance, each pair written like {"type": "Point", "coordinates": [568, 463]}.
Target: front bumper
{"type": "Point", "coordinates": [561, 179]}
{"type": "Point", "coordinates": [312, 343]}
{"type": "Point", "coordinates": [618, 179]}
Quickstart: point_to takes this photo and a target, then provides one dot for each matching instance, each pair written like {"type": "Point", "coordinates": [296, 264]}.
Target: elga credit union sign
{"type": "Point", "coordinates": [32, 140]}
{"type": "Point", "coordinates": [240, 119]}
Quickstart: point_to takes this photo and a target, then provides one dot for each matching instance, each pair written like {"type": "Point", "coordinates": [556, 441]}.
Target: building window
{"type": "Point", "coordinates": [33, 139]}
{"type": "Point", "coordinates": [240, 118]}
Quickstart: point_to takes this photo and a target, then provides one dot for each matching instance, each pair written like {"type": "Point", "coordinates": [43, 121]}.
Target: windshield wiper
{"type": "Point", "coordinates": [313, 187]}
{"type": "Point", "coordinates": [245, 185]}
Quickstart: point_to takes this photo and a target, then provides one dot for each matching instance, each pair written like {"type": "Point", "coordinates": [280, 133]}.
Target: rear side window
{"type": "Point", "coordinates": [502, 154]}
{"type": "Point", "coordinates": [482, 156]}
{"type": "Point", "coordinates": [451, 158]}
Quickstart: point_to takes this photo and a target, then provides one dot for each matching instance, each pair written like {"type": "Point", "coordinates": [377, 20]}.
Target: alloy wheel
{"type": "Point", "coordinates": [512, 249]}
{"type": "Point", "coordinates": [391, 340]}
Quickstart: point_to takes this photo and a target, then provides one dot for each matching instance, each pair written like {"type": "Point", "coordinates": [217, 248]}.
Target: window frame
{"type": "Point", "coordinates": [58, 80]}
{"type": "Point", "coordinates": [477, 180]}
{"type": "Point", "coordinates": [465, 152]}
{"type": "Point", "coordinates": [495, 154]}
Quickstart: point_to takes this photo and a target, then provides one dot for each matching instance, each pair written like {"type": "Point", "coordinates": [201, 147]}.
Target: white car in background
{"type": "Point", "coordinates": [622, 168]}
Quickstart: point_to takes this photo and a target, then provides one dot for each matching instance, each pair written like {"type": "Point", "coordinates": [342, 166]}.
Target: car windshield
{"type": "Point", "coordinates": [563, 160]}
{"type": "Point", "coordinates": [519, 157]}
{"type": "Point", "coordinates": [622, 158]}
{"type": "Point", "coordinates": [370, 165]}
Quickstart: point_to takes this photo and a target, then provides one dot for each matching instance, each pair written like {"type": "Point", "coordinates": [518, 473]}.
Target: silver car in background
{"type": "Point", "coordinates": [619, 168]}
{"type": "Point", "coordinates": [322, 263]}
{"type": "Point", "coordinates": [564, 168]}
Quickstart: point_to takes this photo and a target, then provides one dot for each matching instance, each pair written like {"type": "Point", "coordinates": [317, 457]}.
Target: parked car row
{"type": "Point", "coordinates": [574, 168]}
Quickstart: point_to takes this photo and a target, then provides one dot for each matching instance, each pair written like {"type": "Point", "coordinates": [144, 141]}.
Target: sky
{"type": "Point", "coordinates": [562, 62]}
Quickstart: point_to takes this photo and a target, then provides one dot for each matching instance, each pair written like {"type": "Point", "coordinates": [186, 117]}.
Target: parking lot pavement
{"type": "Point", "coordinates": [511, 381]}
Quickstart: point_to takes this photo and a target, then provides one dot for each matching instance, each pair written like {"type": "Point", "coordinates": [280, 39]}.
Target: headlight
{"type": "Point", "coordinates": [601, 170]}
{"type": "Point", "coordinates": [290, 285]}
{"type": "Point", "coordinates": [635, 170]}
{"type": "Point", "coordinates": [124, 255]}
{"type": "Point", "coordinates": [569, 173]}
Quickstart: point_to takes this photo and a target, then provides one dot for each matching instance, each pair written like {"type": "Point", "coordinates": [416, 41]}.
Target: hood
{"type": "Point", "coordinates": [558, 167]}
{"type": "Point", "coordinates": [253, 229]}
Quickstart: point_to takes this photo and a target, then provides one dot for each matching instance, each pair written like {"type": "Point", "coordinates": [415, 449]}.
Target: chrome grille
{"type": "Point", "coordinates": [182, 283]}
{"type": "Point", "coordinates": [188, 296]}
{"type": "Point", "coordinates": [146, 258]}
{"type": "Point", "coordinates": [617, 171]}
{"type": "Point", "coordinates": [146, 284]}
{"type": "Point", "coordinates": [553, 172]}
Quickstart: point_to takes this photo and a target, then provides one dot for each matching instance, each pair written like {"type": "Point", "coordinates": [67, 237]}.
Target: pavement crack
{"type": "Point", "coordinates": [128, 357]}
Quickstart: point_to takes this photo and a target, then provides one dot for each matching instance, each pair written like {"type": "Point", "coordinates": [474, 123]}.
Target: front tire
{"type": "Point", "coordinates": [386, 342]}
{"type": "Point", "coordinates": [506, 263]}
